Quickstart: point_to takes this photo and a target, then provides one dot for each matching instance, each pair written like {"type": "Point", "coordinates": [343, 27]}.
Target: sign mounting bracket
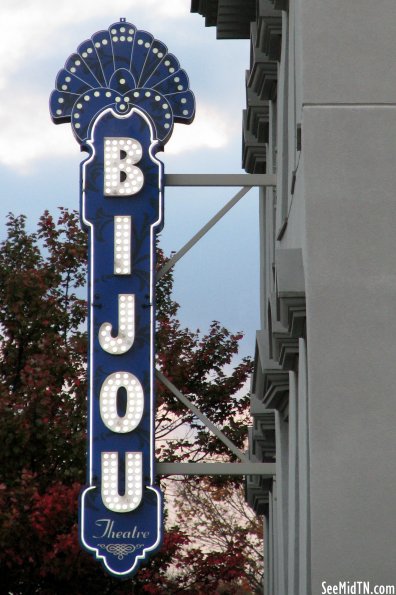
{"type": "Point", "coordinates": [245, 467]}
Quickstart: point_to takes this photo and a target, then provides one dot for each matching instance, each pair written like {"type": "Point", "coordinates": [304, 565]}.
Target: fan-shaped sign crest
{"type": "Point", "coordinates": [122, 68]}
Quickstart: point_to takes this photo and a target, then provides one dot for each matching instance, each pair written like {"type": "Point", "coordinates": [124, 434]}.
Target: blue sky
{"type": "Point", "coordinates": [39, 162]}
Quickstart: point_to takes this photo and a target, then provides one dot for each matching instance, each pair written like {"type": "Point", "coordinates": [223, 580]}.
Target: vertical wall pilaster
{"type": "Point", "coordinates": [303, 474]}
{"type": "Point", "coordinates": [293, 493]}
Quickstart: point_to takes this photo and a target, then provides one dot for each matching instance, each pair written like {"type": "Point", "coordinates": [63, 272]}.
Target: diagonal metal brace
{"type": "Point", "coordinates": [214, 429]}
{"type": "Point", "coordinates": [204, 230]}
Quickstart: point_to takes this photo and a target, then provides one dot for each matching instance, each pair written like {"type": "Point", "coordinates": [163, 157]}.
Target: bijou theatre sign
{"type": "Point", "coordinates": [122, 92]}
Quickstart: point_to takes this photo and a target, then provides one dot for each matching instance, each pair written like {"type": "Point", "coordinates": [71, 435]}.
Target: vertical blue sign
{"type": "Point", "coordinates": [122, 92]}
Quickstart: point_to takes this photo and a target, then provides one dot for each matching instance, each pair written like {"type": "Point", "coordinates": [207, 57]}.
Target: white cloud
{"type": "Point", "coordinates": [34, 32]}
{"type": "Point", "coordinates": [211, 129]}
{"type": "Point", "coordinates": [33, 28]}
{"type": "Point", "coordinates": [25, 141]}
{"type": "Point", "coordinates": [170, 8]}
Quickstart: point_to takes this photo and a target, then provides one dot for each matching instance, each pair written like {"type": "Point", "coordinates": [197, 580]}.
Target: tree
{"type": "Point", "coordinates": [43, 403]}
{"type": "Point", "coordinates": [219, 521]}
{"type": "Point", "coordinates": [42, 363]}
{"type": "Point", "coordinates": [195, 364]}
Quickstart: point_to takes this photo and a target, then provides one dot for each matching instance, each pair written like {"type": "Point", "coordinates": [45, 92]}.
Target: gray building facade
{"type": "Point", "coordinates": [321, 115]}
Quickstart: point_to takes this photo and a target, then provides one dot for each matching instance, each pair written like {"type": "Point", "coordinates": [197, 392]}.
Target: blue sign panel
{"type": "Point", "coordinates": [122, 92]}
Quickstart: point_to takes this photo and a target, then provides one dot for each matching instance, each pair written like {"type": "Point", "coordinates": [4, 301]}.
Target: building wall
{"type": "Point", "coordinates": [341, 88]}
{"type": "Point", "coordinates": [349, 173]}
{"type": "Point", "coordinates": [350, 272]}
{"type": "Point", "coordinates": [326, 353]}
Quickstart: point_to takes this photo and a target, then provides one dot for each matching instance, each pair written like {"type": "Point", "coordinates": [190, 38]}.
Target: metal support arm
{"type": "Point", "coordinates": [220, 180]}
{"type": "Point", "coordinates": [199, 180]}
{"type": "Point", "coordinates": [204, 230]}
{"type": "Point", "coordinates": [214, 429]}
{"type": "Point", "coordinates": [263, 469]}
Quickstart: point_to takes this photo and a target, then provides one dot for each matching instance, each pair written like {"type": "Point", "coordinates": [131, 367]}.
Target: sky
{"type": "Point", "coordinates": [39, 161]}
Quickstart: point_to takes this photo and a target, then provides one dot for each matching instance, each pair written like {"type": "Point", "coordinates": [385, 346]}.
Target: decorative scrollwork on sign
{"type": "Point", "coordinates": [121, 550]}
{"type": "Point", "coordinates": [121, 68]}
